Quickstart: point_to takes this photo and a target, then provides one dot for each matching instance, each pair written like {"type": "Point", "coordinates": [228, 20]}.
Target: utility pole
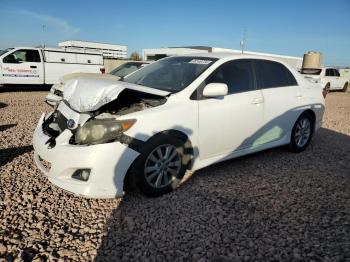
{"type": "Point", "coordinates": [242, 42]}
{"type": "Point", "coordinates": [44, 27]}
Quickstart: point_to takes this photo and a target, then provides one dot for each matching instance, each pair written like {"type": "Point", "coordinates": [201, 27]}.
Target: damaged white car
{"type": "Point", "coordinates": [180, 113]}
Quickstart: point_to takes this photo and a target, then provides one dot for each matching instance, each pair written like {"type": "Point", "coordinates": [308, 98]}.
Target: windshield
{"type": "Point", "coordinates": [308, 71]}
{"type": "Point", "coordinates": [126, 69]}
{"type": "Point", "coordinates": [171, 74]}
{"type": "Point", "coordinates": [5, 51]}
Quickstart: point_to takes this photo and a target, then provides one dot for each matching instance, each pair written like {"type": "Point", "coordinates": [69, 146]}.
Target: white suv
{"type": "Point", "coordinates": [329, 77]}
{"type": "Point", "coordinates": [179, 113]}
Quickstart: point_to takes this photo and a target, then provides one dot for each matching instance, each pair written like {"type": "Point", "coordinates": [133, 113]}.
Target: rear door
{"type": "Point", "coordinates": [23, 66]}
{"type": "Point", "coordinates": [282, 98]}
{"type": "Point", "coordinates": [230, 123]}
{"type": "Point", "coordinates": [339, 81]}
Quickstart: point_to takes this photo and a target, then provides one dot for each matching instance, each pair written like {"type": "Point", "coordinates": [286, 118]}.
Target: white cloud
{"type": "Point", "coordinates": [49, 21]}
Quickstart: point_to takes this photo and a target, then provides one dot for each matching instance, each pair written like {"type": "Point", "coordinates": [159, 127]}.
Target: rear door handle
{"type": "Point", "coordinates": [258, 100]}
{"type": "Point", "coordinates": [33, 66]}
{"type": "Point", "coordinates": [299, 95]}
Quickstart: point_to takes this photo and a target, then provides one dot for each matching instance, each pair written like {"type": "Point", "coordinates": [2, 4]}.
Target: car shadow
{"type": "Point", "coordinates": [24, 88]}
{"type": "Point", "coordinates": [253, 206]}
{"type": "Point", "coordinates": [8, 154]}
{"type": "Point", "coordinates": [7, 126]}
{"type": "Point", "coordinates": [3, 105]}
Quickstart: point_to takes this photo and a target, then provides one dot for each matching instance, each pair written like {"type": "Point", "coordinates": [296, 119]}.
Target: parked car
{"type": "Point", "coordinates": [56, 92]}
{"type": "Point", "coordinates": [330, 78]}
{"type": "Point", "coordinates": [179, 113]}
{"type": "Point", "coordinates": [38, 66]}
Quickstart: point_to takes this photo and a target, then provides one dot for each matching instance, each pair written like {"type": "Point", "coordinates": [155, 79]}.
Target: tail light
{"type": "Point", "coordinates": [103, 70]}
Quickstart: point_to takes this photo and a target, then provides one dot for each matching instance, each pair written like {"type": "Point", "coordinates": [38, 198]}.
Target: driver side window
{"type": "Point", "coordinates": [21, 56]}
{"type": "Point", "coordinates": [237, 75]}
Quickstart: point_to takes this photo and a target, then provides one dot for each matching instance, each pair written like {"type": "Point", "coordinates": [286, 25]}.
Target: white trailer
{"type": "Point", "coordinates": [28, 65]}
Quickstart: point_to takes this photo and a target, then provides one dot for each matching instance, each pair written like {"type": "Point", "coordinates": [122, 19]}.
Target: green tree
{"type": "Point", "coordinates": [135, 56]}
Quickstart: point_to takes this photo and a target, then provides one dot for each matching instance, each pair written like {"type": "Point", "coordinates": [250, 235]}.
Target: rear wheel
{"type": "Point", "coordinates": [161, 165]}
{"type": "Point", "coordinates": [345, 88]}
{"type": "Point", "coordinates": [301, 133]}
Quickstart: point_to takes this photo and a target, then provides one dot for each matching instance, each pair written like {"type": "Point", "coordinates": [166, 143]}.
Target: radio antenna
{"type": "Point", "coordinates": [44, 28]}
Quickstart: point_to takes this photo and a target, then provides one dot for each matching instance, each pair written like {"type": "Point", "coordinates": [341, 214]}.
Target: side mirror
{"type": "Point", "coordinates": [215, 90]}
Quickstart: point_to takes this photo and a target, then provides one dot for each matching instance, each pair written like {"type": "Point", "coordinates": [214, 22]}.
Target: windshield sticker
{"type": "Point", "coordinates": [200, 62]}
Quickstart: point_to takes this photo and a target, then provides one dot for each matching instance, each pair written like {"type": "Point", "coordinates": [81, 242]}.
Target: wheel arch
{"type": "Point", "coordinates": [312, 114]}
{"type": "Point", "coordinates": [129, 182]}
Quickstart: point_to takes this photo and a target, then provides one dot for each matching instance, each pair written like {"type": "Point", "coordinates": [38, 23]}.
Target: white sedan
{"type": "Point", "coordinates": [179, 113]}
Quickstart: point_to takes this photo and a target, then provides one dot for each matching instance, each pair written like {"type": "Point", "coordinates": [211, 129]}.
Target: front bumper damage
{"type": "Point", "coordinates": [108, 164]}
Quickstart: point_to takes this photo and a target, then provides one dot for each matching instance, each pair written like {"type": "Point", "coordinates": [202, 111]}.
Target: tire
{"type": "Point", "coordinates": [301, 133]}
{"type": "Point", "coordinates": [328, 87]}
{"type": "Point", "coordinates": [161, 165]}
{"type": "Point", "coordinates": [345, 88]}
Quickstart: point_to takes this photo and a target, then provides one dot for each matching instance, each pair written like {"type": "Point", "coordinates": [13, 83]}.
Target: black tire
{"type": "Point", "coordinates": [328, 87]}
{"type": "Point", "coordinates": [138, 169]}
{"type": "Point", "coordinates": [294, 146]}
{"type": "Point", "coordinates": [345, 88]}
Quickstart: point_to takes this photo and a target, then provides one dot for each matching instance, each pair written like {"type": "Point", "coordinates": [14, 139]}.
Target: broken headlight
{"type": "Point", "coordinates": [99, 131]}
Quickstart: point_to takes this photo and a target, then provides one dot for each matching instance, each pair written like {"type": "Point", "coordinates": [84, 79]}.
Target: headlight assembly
{"type": "Point", "coordinates": [102, 130]}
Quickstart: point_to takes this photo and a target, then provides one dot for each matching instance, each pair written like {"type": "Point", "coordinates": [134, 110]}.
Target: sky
{"type": "Point", "coordinates": [279, 27]}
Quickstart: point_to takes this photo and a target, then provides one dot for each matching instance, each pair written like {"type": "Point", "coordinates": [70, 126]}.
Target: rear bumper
{"type": "Point", "coordinates": [108, 163]}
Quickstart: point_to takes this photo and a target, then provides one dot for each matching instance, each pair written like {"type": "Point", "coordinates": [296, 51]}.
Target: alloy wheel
{"type": "Point", "coordinates": [162, 166]}
{"type": "Point", "coordinates": [302, 132]}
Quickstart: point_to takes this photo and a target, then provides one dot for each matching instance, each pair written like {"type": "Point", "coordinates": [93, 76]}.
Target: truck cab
{"type": "Point", "coordinates": [21, 66]}
{"type": "Point", "coordinates": [37, 66]}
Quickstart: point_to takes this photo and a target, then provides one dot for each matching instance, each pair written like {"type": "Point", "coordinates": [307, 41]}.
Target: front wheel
{"type": "Point", "coordinates": [161, 165]}
{"type": "Point", "coordinates": [301, 133]}
{"type": "Point", "coordinates": [345, 88]}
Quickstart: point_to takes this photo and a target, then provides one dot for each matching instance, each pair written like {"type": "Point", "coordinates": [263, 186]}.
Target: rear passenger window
{"type": "Point", "coordinates": [271, 74]}
{"type": "Point", "coordinates": [336, 72]}
{"type": "Point", "coordinates": [237, 75]}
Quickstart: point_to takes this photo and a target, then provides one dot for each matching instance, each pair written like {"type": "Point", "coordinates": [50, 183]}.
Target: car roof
{"type": "Point", "coordinates": [229, 55]}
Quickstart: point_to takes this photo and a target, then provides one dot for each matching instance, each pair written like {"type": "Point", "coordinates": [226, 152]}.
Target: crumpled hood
{"type": "Point", "coordinates": [89, 94]}
{"type": "Point", "coordinates": [66, 78]}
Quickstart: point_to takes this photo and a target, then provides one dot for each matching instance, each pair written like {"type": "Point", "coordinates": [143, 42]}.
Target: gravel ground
{"type": "Point", "coordinates": [272, 205]}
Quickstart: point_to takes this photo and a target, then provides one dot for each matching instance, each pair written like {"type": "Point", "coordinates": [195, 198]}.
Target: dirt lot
{"type": "Point", "coordinates": [272, 205]}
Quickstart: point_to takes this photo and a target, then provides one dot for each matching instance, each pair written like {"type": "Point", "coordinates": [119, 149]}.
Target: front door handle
{"type": "Point", "coordinates": [258, 100]}
{"type": "Point", "coordinates": [33, 66]}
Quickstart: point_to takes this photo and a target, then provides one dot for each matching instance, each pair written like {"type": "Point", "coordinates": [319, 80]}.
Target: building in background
{"type": "Point", "coordinates": [158, 53]}
{"type": "Point", "coordinates": [109, 51]}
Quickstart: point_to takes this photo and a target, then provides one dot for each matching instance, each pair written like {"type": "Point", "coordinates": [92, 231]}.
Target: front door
{"type": "Point", "coordinates": [230, 123]}
{"type": "Point", "coordinates": [22, 66]}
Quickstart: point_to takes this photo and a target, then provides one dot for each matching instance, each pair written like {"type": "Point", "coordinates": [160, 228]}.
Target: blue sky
{"type": "Point", "coordinates": [281, 27]}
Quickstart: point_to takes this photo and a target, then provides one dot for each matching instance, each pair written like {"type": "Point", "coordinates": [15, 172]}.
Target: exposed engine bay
{"type": "Point", "coordinates": [130, 101]}
{"type": "Point", "coordinates": [127, 102]}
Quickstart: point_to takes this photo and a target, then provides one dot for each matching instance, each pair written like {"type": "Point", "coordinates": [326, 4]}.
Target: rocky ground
{"type": "Point", "coordinates": [272, 206]}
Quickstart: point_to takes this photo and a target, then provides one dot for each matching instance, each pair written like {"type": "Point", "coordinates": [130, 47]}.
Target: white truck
{"type": "Point", "coordinates": [330, 78]}
{"type": "Point", "coordinates": [38, 66]}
